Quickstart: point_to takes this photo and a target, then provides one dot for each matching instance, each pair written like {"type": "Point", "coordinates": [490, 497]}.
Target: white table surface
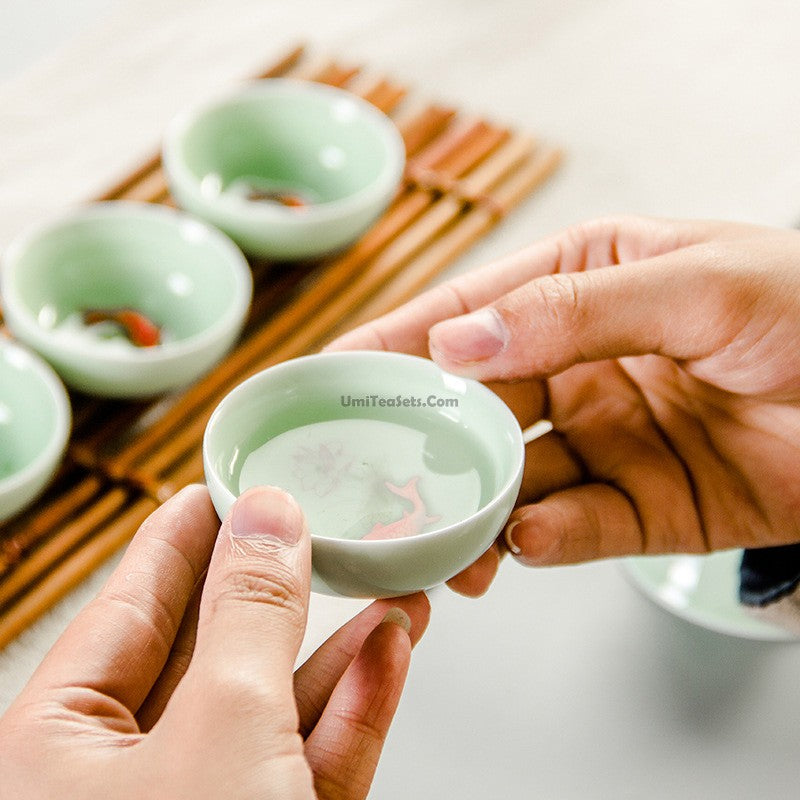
{"type": "Point", "coordinates": [560, 683]}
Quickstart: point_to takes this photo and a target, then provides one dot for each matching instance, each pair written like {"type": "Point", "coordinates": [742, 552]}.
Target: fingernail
{"type": "Point", "coordinates": [473, 337]}
{"type": "Point", "coordinates": [509, 537]}
{"type": "Point", "coordinates": [398, 617]}
{"type": "Point", "coordinates": [267, 513]}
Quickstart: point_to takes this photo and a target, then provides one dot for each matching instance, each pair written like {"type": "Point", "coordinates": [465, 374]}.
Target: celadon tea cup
{"type": "Point", "coordinates": [406, 474]}
{"type": "Point", "coordinates": [126, 264]}
{"type": "Point", "coordinates": [288, 169]}
{"type": "Point", "coordinates": [35, 422]}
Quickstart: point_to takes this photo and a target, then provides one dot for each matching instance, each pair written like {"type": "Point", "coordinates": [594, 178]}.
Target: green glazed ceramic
{"type": "Point", "coordinates": [186, 277]}
{"type": "Point", "coordinates": [34, 426]}
{"type": "Point", "coordinates": [336, 153]}
{"type": "Point", "coordinates": [406, 473]}
{"type": "Point", "coordinates": [702, 590]}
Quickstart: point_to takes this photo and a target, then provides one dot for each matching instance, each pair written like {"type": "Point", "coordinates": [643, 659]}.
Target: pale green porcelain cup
{"type": "Point", "coordinates": [184, 275]}
{"type": "Point", "coordinates": [34, 426]}
{"type": "Point", "coordinates": [309, 390]}
{"type": "Point", "coordinates": [337, 151]}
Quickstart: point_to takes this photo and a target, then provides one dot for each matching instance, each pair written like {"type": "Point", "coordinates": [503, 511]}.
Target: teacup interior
{"type": "Point", "coordinates": [167, 270]}
{"type": "Point", "coordinates": [27, 413]}
{"type": "Point", "coordinates": [322, 147]}
{"type": "Point", "coordinates": [368, 471]}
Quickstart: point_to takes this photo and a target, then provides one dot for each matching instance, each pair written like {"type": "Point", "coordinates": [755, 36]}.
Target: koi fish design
{"type": "Point", "coordinates": [412, 522]}
{"type": "Point", "coordinates": [140, 330]}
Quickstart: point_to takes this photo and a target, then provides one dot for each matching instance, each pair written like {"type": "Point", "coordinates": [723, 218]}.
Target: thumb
{"type": "Point", "coordinates": [669, 305]}
{"type": "Point", "coordinates": [254, 608]}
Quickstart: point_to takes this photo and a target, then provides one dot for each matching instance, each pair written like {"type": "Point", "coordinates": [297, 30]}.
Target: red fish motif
{"type": "Point", "coordinates": [412, 522]}
{"type": "Point", "coordinates": [140, 330]}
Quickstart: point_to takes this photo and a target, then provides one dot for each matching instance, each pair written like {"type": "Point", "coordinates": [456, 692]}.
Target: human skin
{"type": "Point", "coordinates": [667, 356]}
{"type": "Point", "coordinates": [177, 680]}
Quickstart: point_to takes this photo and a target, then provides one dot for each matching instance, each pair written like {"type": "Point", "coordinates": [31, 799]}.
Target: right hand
{"type": "Point", "coordinates": [667, 356]}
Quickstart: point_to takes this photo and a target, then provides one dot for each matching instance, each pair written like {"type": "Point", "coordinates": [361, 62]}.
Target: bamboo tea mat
{"type": "Point", "coordinates": [124, 459]}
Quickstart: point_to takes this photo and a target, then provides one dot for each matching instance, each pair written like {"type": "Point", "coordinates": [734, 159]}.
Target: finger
{"type": "Point", "coordinates": [253, 615]}
{"type": "Point", "coordinates": [317, 677]}
{"type": "Point", "coordinates": [120, 642]}
{"type": "Point", "coordinates": [549, 466]}
{"type": "Point", "coordinates": [620, 442]}
{"type": "Point", "coordinates": [178, 662]}
{"type": "Point", "coordinates": [475, 580]}
{"type": "Point", "coordinates": [680, 305]}
{"type": "Point", "coordinates": [577, 524]}
{"type": "Point", "coordinates": [678, 469]}
{"type": "Point", "coordinates": [344, 748]}
{"type": "Point", "coordinates": [586, 246]}
{"type": "Point", "coordinates": [526, 399]}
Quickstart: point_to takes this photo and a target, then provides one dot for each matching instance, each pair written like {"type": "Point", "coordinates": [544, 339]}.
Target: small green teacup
{"type": "Point", "coordinates": [406, 474]}
{"type": "Point", "coordinates": [34, 426]}
{"type": "Point", "coordinates": [288, 169]}
{"type": "Point", "coordinates": [177, 273]}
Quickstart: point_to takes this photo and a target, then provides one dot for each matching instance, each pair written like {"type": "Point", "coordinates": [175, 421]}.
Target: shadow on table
{"type": "Point", "coordinates": [701, 675]}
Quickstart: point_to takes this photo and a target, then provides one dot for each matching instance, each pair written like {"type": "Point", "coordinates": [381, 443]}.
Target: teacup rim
{"type": "Point", "coordinates": [164, 353]}
{"type": "Point", "coordinates": [239, 208]}
{"type": "Point", "coordinates": [57, 443]}
{"type": "Point", "coordinates": [491, 397]}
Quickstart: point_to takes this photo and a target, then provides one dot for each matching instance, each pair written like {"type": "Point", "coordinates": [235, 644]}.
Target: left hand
{"type": "Point", "coordinates": [176, 681]}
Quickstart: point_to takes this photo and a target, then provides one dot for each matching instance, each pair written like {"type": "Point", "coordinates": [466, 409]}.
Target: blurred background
{"type": "Point", "coordinates": [560, 683]}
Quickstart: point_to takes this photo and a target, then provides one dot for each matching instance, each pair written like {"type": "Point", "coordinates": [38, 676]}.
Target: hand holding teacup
{"type": "Point", "coordinates": [667, 356]}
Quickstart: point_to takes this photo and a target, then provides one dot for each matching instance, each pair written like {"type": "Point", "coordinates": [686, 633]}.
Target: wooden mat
{"type": "Point", "coordinates": [124, 459]}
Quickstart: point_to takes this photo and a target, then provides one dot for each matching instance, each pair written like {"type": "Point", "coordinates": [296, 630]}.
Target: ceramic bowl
{"type": "Point", "coordinates": [182, 274]}
{"type": "Point", "coordinates": [34, 426]}
{"type": "Point", "coordinates": [703, 590]}
{"type": "Point", "coordinates": [456, 432]}
{"type": "Point", "coordinates": [334, 152]}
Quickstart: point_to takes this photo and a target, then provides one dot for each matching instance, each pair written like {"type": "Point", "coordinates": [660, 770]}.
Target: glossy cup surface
{"type": "Point", "coordinates": [307, 390]}
{"type": "Point", "coordinates": [703, 590]}
{"type": "Point", "coordinates": [340, 153]}
{"type": "Point", "coordinates": [181, 273]}
{"type": "Point", "coordinates": [34, 426]}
